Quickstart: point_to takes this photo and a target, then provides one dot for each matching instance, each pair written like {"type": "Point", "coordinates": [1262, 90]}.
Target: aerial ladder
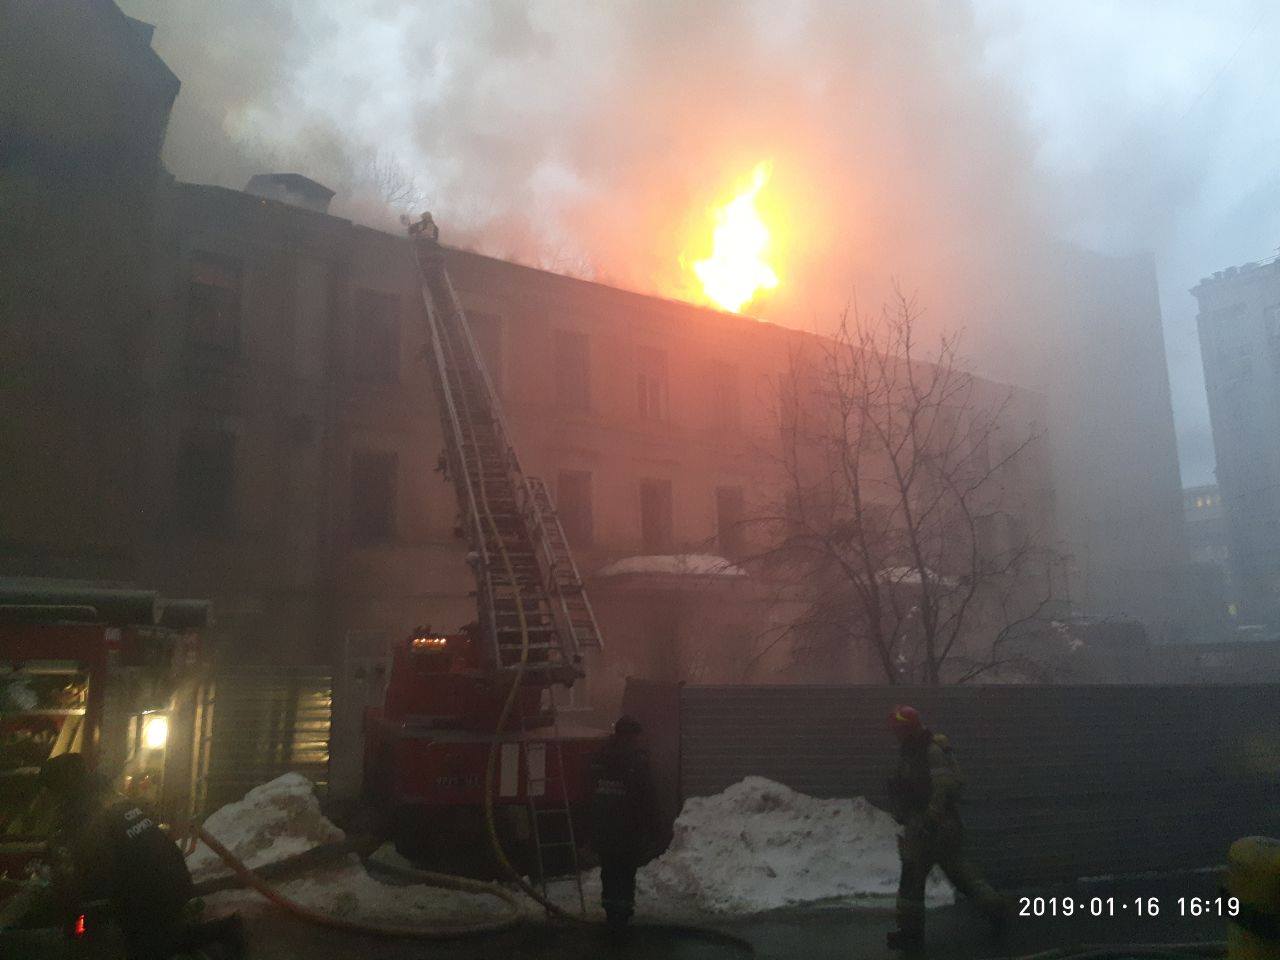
{"type": "Point", "coordinates": [527, 584]}
{"type": "Point", "coordinates": [456, 705]}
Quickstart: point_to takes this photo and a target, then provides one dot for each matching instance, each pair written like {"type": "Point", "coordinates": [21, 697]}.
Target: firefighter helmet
{"type": "Point", "coordinates": [904, 720]}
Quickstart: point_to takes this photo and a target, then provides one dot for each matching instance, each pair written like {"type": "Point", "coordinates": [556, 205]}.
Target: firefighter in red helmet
{"type": "Point", "coordinates": [925, 796]}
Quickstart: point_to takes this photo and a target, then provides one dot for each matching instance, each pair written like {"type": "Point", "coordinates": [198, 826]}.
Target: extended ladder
{"type": "Point", "coordinates": [520, 558]}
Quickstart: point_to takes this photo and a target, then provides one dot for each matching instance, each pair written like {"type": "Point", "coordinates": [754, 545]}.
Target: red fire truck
{"type": "Point", "coordinates": [98, 671]}
{"type": "Point", "coordinates": [461, 704]}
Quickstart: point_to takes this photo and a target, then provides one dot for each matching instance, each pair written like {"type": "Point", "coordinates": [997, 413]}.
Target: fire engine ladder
{"type": "Point", "coordinates": [552, 821]}
{"type": "Point", "coordinates": [572, 595]}
{"type": "Point", "coordinates": [518, 569]}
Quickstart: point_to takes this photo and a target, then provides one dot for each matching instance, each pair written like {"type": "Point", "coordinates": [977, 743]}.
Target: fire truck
{"type": "Point", "coordinates": [103, 671]}
{"type": "Point", "coordinates": [468, 721]}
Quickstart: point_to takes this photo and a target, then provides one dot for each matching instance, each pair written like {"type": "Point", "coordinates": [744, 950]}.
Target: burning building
{"type": "Point", "coordinates": [223, 393]}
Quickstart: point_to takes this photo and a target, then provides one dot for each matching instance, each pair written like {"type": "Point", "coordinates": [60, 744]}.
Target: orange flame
{"type": "Point", "coordinates": [736, 272]}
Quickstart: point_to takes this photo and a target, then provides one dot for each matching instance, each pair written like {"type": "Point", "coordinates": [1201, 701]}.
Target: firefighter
{"type": "Point", "coordinates": [925, 795]}
{"type": "Point", "coordinates": [112, 850]}
{"type": "Point", "coordinates": [624, 817]}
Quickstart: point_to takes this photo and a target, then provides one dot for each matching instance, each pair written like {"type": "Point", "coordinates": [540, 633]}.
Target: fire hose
{"type": "Point", "coordinates": [443, 931]}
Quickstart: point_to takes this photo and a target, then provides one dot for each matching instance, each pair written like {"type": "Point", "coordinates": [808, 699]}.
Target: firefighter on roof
{"type": "Point", "coordinates": [624, 817]}
{"type": "Point", "coordinates": [111, 850]}
{"type": "Point", "coordinates": [925, 796]}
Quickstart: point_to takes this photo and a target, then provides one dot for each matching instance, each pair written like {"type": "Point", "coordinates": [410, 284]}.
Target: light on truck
{"type": "Point", "coordinates": [155, 731]}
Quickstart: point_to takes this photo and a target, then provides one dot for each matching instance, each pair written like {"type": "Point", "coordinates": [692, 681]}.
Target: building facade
{"type": "Point", "coordinates": [1208, 544]}
{"type": "Point", "coordinates": [1239, 324]}
{"type": "Point", "coordinates": [226, 394]}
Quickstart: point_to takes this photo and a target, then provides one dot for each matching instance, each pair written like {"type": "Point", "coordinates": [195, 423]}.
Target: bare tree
{"type": "Point", "coordinates": [897, 522]}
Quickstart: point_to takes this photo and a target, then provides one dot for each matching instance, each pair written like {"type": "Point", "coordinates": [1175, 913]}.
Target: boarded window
{"type": "Point", "coordinates": [573, 371]}
{"type": "Point", "coordinates": [213, 308]}
{"type": "Point", "coordinates": [486, 330]}
{"type": "Point", "coordinates": [655, 516]}
{"type": "Point", "coordinates": [373, 496]}
{"type": "Point", "coordinates": [375, 337]}
{"type": "Point", "coordinates": [205, 482]}
{"type": "Point", "coordinates": [651, 383]}
{"type": "Point", "coordinates": [730, 514]}
{"type": "Point", "coordinates": [725, 401]}
{"type": "Point", "coordinates": [573, 504]}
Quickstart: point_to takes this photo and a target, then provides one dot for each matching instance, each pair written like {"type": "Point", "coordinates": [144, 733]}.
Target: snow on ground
{"type": "Point", "coordinates": [282, 819]}
{"type": "Point", "coordinates": [688, 564]}
{"type": "Point", "coordinates": [273, 822]}
{"type": "Point", "coordinates": [756, 846]}
{"type": "Point", "coordinates": [760, 845]}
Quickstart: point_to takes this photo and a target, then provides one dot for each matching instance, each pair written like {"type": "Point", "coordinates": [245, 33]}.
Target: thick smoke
{"type": "Point", "coordinates": [596, 138]}
{"type": "Point", "coordinates": [592, 138]}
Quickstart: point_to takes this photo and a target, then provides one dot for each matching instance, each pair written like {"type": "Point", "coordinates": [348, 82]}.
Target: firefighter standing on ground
{"type": "Point", "coordinates": [925, 796]}
{"type": "Point", "coordinates": [624, 817]}
{"type": "Point", "coordinates": [113, 851]}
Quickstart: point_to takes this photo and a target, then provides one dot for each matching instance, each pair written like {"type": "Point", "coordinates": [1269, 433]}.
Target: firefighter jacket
{"type": "Point", "coordinates": [119, 854]}
{"type": "Point", "coordinates": [624, 810]}
{"type": "Point", "coordinates": [928, 783]}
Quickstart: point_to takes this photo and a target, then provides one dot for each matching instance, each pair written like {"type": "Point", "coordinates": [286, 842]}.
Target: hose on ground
{"type": "Point", "coordinates": [441, 931]}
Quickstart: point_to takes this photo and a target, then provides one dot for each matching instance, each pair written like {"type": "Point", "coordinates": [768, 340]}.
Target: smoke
{"type": "Point", "coordinates": [593, 138]}
{"type": "Point", "coordinates": [598, 136]}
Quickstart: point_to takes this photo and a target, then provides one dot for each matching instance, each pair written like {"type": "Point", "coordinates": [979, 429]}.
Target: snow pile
{"type": "Point", "coordinates": [282, 819]}
{"type": "Point", "coordinates": [760, 845]}
{"type": "Point", "coordinates": [681, 564]}
{"type": "Point", "coordinates": [273, 822]}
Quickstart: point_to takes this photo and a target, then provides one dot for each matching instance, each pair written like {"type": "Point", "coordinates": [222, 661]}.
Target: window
{"type": "Point", "coordinates": [205, 482]}
{"type": "Point", "coordinates": [730, 513]}
{"type": "Point", "coordinates": [573, 371]}
{"type": "Point", "coordinates": [375, 337]}
{"type": "Point", "coordinates": [213, 308]}
{"type": "Point", "coordinates": [373, 496]}
{"type": "Point", "coordinates": [725, 402]}
{"type": "Point", "coordinates": [486, 330]}
{"type": "Point", "coordinates": [573, 505]}
{"type": "Point", "coordinates": [655, 516]}
{"type": "Point", "coordinates": [651, 383]}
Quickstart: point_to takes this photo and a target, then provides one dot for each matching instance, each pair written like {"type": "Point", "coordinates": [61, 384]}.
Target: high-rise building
{"type": "Point", "coordinates": [1239, 324]}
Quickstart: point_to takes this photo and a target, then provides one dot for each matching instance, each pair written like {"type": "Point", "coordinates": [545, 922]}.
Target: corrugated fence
{"type": "Point", "coordinates": [1063, 782]}
{"type": "Point", "coordinates": [259, 722]}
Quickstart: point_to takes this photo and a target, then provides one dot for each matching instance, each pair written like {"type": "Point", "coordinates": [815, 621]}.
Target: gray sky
{"type": "Point", "coordinates": [920, 141]}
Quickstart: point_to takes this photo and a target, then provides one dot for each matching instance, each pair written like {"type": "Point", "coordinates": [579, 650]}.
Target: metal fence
{"type": "Point", "coordinates": [254, 723]}
{"type": "Point", "coordinates": [1063, 782]}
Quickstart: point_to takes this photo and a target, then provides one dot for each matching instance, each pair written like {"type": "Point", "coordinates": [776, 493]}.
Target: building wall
{"type": "Point", "coordinates": [1239, 324]}
{"type": "Point", "coordinates": [1209, 550]}
{"type": "Point", "coordinates": [79, 167]}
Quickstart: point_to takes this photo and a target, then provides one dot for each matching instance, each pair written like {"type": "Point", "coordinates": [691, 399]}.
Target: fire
{"type": "Point", "coordinates": [736, 272]}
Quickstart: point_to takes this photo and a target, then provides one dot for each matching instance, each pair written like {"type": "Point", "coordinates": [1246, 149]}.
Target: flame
{"type": "Point", "coordinates": [736, 272]}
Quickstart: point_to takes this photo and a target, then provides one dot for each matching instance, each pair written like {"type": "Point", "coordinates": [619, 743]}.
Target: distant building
{"type": "Point", "coordinates": [1099, 347]}
{"type": "Point", "coordinates": [1208, 543]}
{"type": "Point", "coordinates": [1239, 324]}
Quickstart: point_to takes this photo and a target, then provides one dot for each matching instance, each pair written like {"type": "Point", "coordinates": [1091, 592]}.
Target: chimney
{"type": "Point", "coordinates": [291, 188]}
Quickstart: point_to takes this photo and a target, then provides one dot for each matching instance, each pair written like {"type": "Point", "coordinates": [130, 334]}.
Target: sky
{"type": "Point", "coordinates": [926, 143]}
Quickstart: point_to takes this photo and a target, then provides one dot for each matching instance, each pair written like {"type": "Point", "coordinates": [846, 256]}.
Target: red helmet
{"type": "Point", "coordinates": [905, 720]}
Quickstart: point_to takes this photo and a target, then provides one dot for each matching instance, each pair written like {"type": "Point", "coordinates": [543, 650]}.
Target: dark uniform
{"type": "Point", "coordinates": [926, 795]}
{"type": "Point", "coordinates": [624, 817]}
{"type": "Point", "coordinates": [118, 854]}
